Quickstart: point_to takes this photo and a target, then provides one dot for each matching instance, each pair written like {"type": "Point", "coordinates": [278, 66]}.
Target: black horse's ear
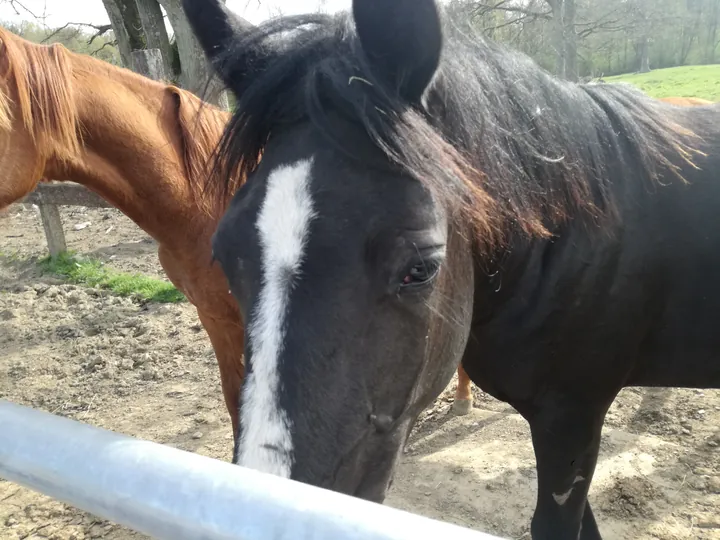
{"type": "Point", "coordinates": [217, 28]}
{"type": "Point", "coordinates": [402, 40]}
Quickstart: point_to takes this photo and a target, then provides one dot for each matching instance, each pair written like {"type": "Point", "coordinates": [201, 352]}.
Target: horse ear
{"type": "Point", "coordinates": [217, 28]}
{"type": "Point", "coordinates": [402, 40]}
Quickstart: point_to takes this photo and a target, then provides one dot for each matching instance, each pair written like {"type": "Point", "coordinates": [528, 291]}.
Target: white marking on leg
{"type": "Point", "coordinates": [561, 498]}
{"type": "Point", "coordinates": [283, 223]}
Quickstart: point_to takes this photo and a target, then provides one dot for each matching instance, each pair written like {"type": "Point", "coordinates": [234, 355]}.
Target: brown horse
{"type": "Point", "coordinates": [463, 395]}
{"type": "Point", "coordinates": [139, 144]}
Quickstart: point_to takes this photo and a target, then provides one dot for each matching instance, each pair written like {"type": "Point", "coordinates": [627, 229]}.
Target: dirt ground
{"type": "Point", "coordinates": [149, 371]}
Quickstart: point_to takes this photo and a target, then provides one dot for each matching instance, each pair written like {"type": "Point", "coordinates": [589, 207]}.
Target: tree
{"type": "Point", "coordinates": [565, 38]}
{"type": "Point", "coordinates": [584, 38]}
{"type": "Point", "coordinates": [127, 27]}
{"type": "Point", "coordinates": [156, 36]}
{"type": "Point", "coordinates": [196, 73]}
{"type": "Point", "coordinates": [560, 15]}
{"type": "Point", "coordinates": [140, 24]}
{"type": "Point", "coordinates": [711, 12]}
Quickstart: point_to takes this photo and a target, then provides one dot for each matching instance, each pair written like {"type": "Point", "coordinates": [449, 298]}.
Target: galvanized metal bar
{"type": "Point", "coordinates": [172, 494]}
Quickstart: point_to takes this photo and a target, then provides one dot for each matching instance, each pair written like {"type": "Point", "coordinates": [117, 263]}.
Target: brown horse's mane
{"type": "Point", "coordinates": [42, 76]}
{"type": "Point", "coordinates": [201, 126]}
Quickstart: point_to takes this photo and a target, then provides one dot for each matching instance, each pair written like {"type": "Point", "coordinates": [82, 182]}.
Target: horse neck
{"type": "Point", "coordinates": [132, 152]}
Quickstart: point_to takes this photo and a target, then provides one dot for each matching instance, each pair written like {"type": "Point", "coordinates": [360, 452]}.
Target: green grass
{"type": "Point", "coordinates": [93, 273]}
{"type": "Point", "coordinates": [10, 256]}
{"type": "Point", "coordinates": [685, 81]}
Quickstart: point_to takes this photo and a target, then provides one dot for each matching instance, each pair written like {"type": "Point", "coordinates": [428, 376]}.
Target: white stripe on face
{"type": "Point", "coordinates": [283, 223]}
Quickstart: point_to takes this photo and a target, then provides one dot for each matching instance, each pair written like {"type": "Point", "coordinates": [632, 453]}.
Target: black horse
{"type": "Point", "coordinates": [426, 197]}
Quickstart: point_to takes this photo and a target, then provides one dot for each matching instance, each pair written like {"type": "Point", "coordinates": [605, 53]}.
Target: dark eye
{"type": "Point", "coordinates": [421, 273]}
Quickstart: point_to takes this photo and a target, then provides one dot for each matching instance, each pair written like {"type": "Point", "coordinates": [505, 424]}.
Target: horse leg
{"type": "Point", "coordinates": [589, 530]}
{"type": "Point", "coordinates": [227, 338]}
{"type": "Point", "coordinates": [463, 395]}
{"type": "Point", "coordinates": [566, 439]}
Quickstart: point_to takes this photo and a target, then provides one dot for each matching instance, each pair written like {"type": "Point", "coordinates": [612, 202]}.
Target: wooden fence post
{"type": "Point", "coordinates": [52, 223]}
{"type": "Point", "coordinates": [48, 197]}
{"type": "Point", "coordinates": [149, 62]}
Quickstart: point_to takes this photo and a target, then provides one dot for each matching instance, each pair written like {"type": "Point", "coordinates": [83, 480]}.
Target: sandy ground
{"type": "Point", "coordinates": [149, 371]}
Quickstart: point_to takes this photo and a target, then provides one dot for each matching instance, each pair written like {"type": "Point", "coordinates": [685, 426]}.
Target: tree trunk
{"type": "Point", "coordinates": [625, 55]}
{"type": "Point", "coordinates": [121, 33]}
{"type": "Point", "coordinates": [156, 36]}
{"type": "Point", "coordinates": [149, 62]}
{"type": "Point", "coordinates": [133, 24]}
{"type": "Point", "coordinates": [713, 21]}
{"type": "Point", "coordinates": [196, 71]}
{"type": "Point", "coordinates": [565, 38]}
{"type": "Point", "coordinates": [570, 41]}
{"type": "Point", "coordinates": [644, 52]}
{"type": "Point", "coordinates": [690, 31]}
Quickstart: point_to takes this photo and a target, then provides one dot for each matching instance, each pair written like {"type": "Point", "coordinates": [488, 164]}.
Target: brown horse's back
{"type": "Point", "coordinates": [686, 101]}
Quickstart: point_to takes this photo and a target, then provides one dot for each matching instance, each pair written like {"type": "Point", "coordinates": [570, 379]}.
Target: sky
{"type": "Point", "coordinates": [59, 12]}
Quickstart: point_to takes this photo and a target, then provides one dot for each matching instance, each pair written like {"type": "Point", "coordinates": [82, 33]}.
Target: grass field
{"type": "Point", "coordinates": [685, 81]}
{"type": "Point", "coordinates": [94, 274]}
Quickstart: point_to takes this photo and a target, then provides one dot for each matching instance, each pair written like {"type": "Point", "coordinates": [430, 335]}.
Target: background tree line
{"type": "Point", "coordinates": [591, 38]}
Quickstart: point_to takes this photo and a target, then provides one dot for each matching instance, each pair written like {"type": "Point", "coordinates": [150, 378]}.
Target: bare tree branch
{"type": "Point", "coordinates": [482, 8]}
{"type": "Point", "coordinates": [247, 3]}
{"type": "Point", "coordinates": [17, 6]}
{"type": "Point", "coordinates": [99, 30]}
{"type": "Point", "coordinates": [522, 18]}
{"type": "Point", "coordinates": [106, 44]}
{"type": "Point", "coordinates": [611, 21]}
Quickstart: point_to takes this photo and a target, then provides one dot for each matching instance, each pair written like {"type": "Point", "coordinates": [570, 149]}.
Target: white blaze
{"type": "Point", "coordinates": [283, 223]}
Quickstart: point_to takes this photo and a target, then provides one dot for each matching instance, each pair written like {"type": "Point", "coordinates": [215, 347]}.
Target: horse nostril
{"type": "Point", "coordinates": [381, 422]}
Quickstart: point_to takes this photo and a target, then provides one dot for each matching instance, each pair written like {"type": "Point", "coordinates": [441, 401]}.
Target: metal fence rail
{"type": "Point", "coordinates": [172, 494]}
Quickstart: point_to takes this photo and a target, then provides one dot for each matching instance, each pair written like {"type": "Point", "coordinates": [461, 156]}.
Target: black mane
{"type": "Point", "coordinates": [510, 144]}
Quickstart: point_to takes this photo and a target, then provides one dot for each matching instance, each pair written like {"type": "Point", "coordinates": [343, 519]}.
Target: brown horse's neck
{"type": "Point", "coordinates": [137, 135]}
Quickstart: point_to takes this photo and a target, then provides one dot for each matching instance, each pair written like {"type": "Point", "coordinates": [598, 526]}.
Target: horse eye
{"type": "Point", "coordinates": [421, 273]}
